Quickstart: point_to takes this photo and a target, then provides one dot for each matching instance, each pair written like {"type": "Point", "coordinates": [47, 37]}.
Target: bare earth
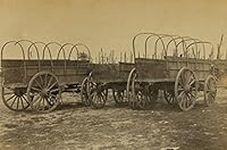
{"type": "Point", "coordinates": [75, 127]}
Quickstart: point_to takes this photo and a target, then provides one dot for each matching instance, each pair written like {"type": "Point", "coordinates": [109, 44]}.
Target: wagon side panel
{"type": "Point", "coordinates": [13, 71]}
{"type": "Point", "coordinates": [151, 69]}
{"type": "Point", "coordinates": [200, 67]}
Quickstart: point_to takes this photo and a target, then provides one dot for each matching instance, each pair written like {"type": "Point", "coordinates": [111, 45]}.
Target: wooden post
{"type": "Point", "coordinates": [120, 57]}
{"type": "Point", "coordinates": [102, 59]}
{"type": "Point", "coordinates": [131, 57]}
{"type": "Point", "coordinates": [125, 57]}
{"type": "Point", "coordinates": [113, 61]}
{"type": "Point", "coordinates": [99, 59]}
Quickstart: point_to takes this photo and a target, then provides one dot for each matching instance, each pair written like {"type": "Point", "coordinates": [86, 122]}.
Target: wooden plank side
{"type": "Point", "coordinates": [13, 75]}
{"type": "Point", "coordinates": [169, 67]}
{"type": "Point", "coordinates": [151, 69]}
{"type": "Point", "coordinates": [107, 73]}
{"type": "Point", "coordinates": [104, 72]}
{"type": "Point", "coordinates": [199, 66]}
{"type": "Point", "coordinates": [13, 70]}
{"type": "Point", "coordinates": [126, 67]}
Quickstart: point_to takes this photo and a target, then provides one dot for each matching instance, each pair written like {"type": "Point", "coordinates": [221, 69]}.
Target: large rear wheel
{"type": "Point", "coordinates": [186, 89]}
{"type": "Point", "coordinates": [140, 95]}
{"type": "Point", "coordinates": [44, 92]}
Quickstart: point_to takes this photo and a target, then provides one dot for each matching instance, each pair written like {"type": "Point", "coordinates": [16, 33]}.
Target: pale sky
{"type": "Point", "coordinates": [110, 24]}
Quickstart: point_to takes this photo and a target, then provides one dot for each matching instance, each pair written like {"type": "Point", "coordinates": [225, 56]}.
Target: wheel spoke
{"type": "Point", "coordinates": [36, 89]}
{"type": "Point", "coordinates": [50, 87]}
{"type": "Point", "coordinates": [193, 89]}
{"type": "Point", "coordinates": [17, 102]}
{"type": "Point", "coordinates": [35, 99]}
{"type": "Point", "coordinates": [180, 89]}
{"type": "Point", "coordinates": [45, 80]}
{"type": "Point", "coordinates": [39, 85]}
{"type": "Point", "coordinates": [43, 107]}
{"type": "Point", "coordinates": [22, 104]}
{"type": "Point", "coordinates": [40, 102]}
{"type": "Point", "coordinates": [24, 98]}
{"type": "Point", "coordinates": [42, 82]}
{"type": "Point", "coordinates": [208, 86]}
{"type": "Point", "coordinates": [181, 81]}
{"type": "Point", "coordinates": [50, 80]}
{"type": "Point", "coordinates": [192, 82]}
{"type": "Point", "coordinates": [193, 96]}
{"type": "Point", "coordinates": [212, 95]}
{"type": "Point", "coordinates": [187, 102]}
{"type": "Point", "coordinates": [181, 94]}
{"type": "Point", "coordinates": [180, 84]}
{"type": "Point", "coordinates": [54, 90]}
{"type": "Point", "coordinates": [48, 103]}
{"type": "Point", "coordinates": [52, 95]}
{"type": "Point", "coordinates": [186, 77]}
{"type": "Point", "coordinates": [13, 102]}
{"type": "Point", "coordinates": [9, 93]}
{"type": "Point", "coordinates": [190, 79]}
{"type": "Point", "coordinates": [10, 98]}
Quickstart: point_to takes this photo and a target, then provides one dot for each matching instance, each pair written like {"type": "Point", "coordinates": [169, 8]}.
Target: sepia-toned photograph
{"type": "Point", "coordinates": [113, 75]}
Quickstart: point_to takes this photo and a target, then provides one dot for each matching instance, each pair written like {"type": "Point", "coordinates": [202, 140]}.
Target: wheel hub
{"type": "Point", "coordinates": [18, 92]}
{"type": "Point", "coordinates": [187, 88]}
{"type": "Point", "coordinates": [44, 92]}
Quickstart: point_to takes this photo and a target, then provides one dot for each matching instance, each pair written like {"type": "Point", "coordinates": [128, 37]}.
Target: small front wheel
{"type": "Point", "coordinates": [210, 90]}
{"type": "Point", "coordinates": [98, 98]}
{"type": "Point", "coordinates": [186, 89]}
{"type": "Point", "coordinates": [120, 97]}
{"type": "Point", "coordinates": [169, 97]}
{"type": "Point", "coordinates": [15, 98]}
{"type": "Point", "coordinates": [85, 92]}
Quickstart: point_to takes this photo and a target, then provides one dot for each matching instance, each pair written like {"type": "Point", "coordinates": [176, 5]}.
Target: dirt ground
{"type": "Point", "coordinates": [72, 126]}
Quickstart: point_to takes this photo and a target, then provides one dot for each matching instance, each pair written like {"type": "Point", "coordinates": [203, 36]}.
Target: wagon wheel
{"type": "Point", "coordinates": [131, 88]}
{"type": "Point", "coordinates": [98, 97]}
{"type": "Point", "coordinates": [45, 90]}
{"type": "Point", "coordinates": [142, 100]}
{"type": "Point", "coordinates": [119, 97]}
{"type": "Point", "coordinates": [186, 89]}
{"type": "Point", "coordinates": [151, 92]}
{"type": "Point", "coordinates": [169, 97]}
{"type": "Point", "coordinates": [210, 90]}
{"type": "Point", "coordinates": [85, 92]}
{"type": "Point", "coordinates": [137, 99]}
{"type": "Point", "coordinates": [15, 99]}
